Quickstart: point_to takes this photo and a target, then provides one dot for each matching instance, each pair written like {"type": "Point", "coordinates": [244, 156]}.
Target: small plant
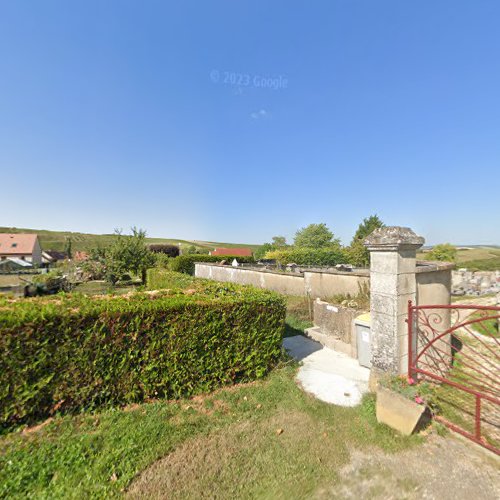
{"type": "Point", "coordinates": [360, 301]}
{"type": "Point", "coordinates": [421, 393]}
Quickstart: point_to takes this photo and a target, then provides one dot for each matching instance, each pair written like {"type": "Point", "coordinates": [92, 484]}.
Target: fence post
{"type": "Point", "coordinates": [393, 252]}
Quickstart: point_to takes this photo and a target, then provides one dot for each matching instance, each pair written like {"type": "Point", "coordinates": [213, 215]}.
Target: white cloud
{"type": "Point", "coordinates": [261, 114]}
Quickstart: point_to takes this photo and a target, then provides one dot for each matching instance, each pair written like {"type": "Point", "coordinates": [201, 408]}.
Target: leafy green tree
{"type": "Point", "coordinates": [279, 242]}
{"type": "Point", "coordinates": [69, 247]}
{"type": "Point", "coordinates": [367, 227]}
{"type": "Point", "coordinates": [358, 254]}
{"type": "Point", "coordinates": [444, 252]}
{"type": "Point", "coordinates": [263, 250]}
{"type": "Point", "coordinates": [137, 256]}
{"type": "Point", "coordinates": [315, 236]}
{"type": "Point", "coordinates": [127, 253]}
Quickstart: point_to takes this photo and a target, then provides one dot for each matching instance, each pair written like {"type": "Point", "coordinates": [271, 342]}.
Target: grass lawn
{"type": "Point", "coordinates": [102, 287]}
{"type": "Point", "coordinates": [262, 439]}
{"type": "Point", "coordinates": [462, 298]}
{"type": "Point", "coordinates": [298, 315]}
{"type": "Point", "coordinates": [474, 367]}
{"type": "Point", "coordinates": [489, 327]}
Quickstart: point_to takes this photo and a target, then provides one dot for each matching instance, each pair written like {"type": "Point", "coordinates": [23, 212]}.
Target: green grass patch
{"type": "Point", "coordinates": [226, 443]}
{"type": "Point", "coordinates": [103, 287]}
{"type": "Point", "coordinates": [298, 315]}
{"type": "Point", "coordinates": [487, 327]}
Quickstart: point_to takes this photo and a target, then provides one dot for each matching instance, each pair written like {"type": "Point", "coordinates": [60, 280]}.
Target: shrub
{"type": "Point", "coordinates": [444, 252]}
{"type": "Point", "coordinates": [310, 256]}
{"type": "Point", "coordinates": [73, 352]}
{"type": "Point", "coordinates": [185, 263]}
{"type": "Point", "coordinates": [169, 250]}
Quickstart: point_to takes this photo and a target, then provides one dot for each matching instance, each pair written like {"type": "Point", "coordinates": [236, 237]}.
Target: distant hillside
{"type": "Point", "coordinates": [56, 240]}
{"type": "Point", "coordinates": [473, 257]}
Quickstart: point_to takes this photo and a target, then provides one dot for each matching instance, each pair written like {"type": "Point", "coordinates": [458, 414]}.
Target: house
{"type": "Point", "coordinates": [24, 247]}
{"type": "Point", "coordinates": [13, 264]}
{"type": "Point", "coordinates": [54, 255]}
{"type": "Point", "coordinates": [236, 252]}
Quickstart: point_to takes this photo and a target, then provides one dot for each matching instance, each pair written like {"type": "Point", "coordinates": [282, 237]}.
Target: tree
{"type": "Point", "coordinates": [168, 250]}
{"type": "Point", "coordinates": [358, 254]}
{"type": "Point", "coordinates": [137, 256]}
{"type": "Point", "coordinates": [69, 247]}
{"type": "Point", "coordinates": [279, 242]}
{"type": "Point", "coordinates": [262, 250]}
{"type": "Point", "coordinates": [367, 227]}
{"type": "Point", "coordinates": [127, 253]}
{"type": "Point", "coordinates": [315, 236]}
{"type": "Point", "coordinates": [444, 252]}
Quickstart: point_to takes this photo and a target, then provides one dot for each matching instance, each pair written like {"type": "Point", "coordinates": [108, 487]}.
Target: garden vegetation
{"type": "Point", "coordinates": [72, 352]}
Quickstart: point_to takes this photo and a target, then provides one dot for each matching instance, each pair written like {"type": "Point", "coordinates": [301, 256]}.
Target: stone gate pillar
{"type": "Point", "coordinates": [393, 252]}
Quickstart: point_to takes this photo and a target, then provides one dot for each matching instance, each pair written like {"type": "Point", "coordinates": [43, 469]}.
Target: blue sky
{"type": "Point", "coordinates": [163, 115]}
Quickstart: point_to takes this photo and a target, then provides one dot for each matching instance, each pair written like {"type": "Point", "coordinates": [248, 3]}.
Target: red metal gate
{"type": "Point", "coordinates": [455, 349]}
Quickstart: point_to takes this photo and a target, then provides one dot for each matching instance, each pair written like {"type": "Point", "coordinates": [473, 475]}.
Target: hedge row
{"type": "Point", "coordinates": [70, 353]}
{"type": "Point", "coordinates": [185, 263]}
{"type": "Point", "coordinates": [169, 250]}
{"type": "Point", "coordinates": [310, 256]}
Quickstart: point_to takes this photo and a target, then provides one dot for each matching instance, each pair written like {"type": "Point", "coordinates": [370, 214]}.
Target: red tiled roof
{"type": "Point", "coordinates": [17, 244]}
{"type": "Point", "coordinates": [80, 255]}
{"type": "Point", "coordinates": [237, 252]}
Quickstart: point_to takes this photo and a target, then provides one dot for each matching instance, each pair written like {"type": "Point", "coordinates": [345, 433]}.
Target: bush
{"type": "Point", "coordinates": [185, 263]}
{"type": "Point", "coordinates": [170, 250]}
{"type": "Point", "coordinates": [159, 279]}
{"type": "Point", "coordinates": [73, 352]}
{"type": "Point", "coordinates": [444, 252]}
{"type": "Point", "coordinates": [310, 256]}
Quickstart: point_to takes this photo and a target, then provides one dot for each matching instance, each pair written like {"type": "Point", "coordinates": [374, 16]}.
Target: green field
{"type": "Point", "coordinates": [56, 240]}
{"type": "Point", "coordinates": [480, 258]}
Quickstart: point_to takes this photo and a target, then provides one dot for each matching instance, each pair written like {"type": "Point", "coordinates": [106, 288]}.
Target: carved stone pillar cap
{"type": "Point", "coordinates": [393, 238]}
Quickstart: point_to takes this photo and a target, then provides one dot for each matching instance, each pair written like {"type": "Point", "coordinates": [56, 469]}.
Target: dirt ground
{"type": "Point", "coordinates": [441, 468]}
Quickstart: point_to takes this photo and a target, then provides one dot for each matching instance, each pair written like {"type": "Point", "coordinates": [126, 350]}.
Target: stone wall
{"type": "Point", "coordinates": [395, 279]}
{"type": "Point", "coordinates": [288, 284]}
{"type": "Point", "coordinates": [316, 284]}
{"type": "Point", "coordinates": [334, 327]}
{"type": "Point", "coordinates": [433, 281]}
{"type": "Point", "coordinates": [327, 284]}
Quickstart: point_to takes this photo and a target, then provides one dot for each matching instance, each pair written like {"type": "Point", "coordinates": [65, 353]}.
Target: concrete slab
{"type": "Point", "coordinates": [331, 376]}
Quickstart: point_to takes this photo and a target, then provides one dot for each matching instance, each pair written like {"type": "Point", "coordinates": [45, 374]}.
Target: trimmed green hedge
{"type": "Point", "coordinates": [310, 256]}
{"type": "Point", "coordinates": [73, 352]}
{"type": "Point", "coordinates": [185, 263]}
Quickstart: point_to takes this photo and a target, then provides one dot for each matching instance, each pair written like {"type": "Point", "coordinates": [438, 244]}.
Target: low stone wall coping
{"type": "Point", "coordinates": [247, 267]}
{"type": "Point", "coordinates": [423, 266]}
{"type": "Point", "coordinates": [427, 266]}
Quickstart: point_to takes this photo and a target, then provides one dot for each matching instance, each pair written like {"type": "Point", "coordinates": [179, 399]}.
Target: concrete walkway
{"type": "Point", "coordinates": [331, 376]}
